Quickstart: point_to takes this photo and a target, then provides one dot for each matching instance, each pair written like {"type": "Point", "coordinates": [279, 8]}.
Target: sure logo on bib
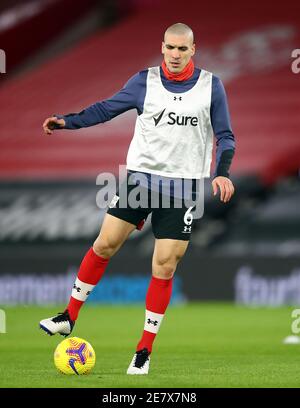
{"type": "Point", "coordinates": [182, 120]}
{"type": "Point", "coordinates": [174, 119]}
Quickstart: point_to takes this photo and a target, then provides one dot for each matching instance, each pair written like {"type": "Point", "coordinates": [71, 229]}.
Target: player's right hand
{"type": "Point", "coordinates": [49, 124]}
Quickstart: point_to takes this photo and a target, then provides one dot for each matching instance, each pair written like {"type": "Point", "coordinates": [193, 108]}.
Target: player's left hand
{"type": "Point", "coordinates": [225, 186]}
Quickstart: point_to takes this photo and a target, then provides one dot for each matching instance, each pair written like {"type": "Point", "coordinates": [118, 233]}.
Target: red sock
{"type": "Point", "coordinates": [157, 300]}
{"type": "Point", "coordinates": [90, 272]}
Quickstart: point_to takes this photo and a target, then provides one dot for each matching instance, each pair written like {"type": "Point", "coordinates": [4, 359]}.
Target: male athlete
{"type": "Point", "coordinates": [180, 108]}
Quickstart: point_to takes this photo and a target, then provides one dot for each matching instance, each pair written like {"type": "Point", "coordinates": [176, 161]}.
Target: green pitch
{"type": "Point", "coordinates": [199, 345]}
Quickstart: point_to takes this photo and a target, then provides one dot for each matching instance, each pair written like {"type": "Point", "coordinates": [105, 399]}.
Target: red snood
{"type": "Point", "coordinates": [185, 74]}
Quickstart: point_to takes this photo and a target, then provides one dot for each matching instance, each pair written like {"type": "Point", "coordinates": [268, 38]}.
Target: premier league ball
{"type": "Point", "coordinates": [74, 356]}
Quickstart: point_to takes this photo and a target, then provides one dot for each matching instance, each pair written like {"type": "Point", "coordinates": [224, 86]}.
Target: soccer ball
{"type": "Point", "coordinates": [74, 356]}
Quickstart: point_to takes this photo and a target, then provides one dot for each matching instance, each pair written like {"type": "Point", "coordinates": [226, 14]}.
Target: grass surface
{"type": "Point", "coordinates": [199, 345]}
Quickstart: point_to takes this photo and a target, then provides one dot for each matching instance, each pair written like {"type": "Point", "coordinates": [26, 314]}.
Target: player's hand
{"type": "Point", "coordinates": [49, 124]}
{"type": "Point", "coordinates": [225, 186]}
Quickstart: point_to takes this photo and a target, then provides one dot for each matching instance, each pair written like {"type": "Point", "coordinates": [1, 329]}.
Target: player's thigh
{"type": "Point", "coordinates": [114, 231]}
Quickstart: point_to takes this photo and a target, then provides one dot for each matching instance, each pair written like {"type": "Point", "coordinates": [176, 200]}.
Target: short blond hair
{"type": "Point", "coordinates": [180, 29]}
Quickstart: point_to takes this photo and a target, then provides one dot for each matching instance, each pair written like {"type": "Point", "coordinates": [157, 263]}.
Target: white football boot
{"type": "Point", "coordinates": [140, 362]}
{"type": "Point", "coordinates": [61, 324]}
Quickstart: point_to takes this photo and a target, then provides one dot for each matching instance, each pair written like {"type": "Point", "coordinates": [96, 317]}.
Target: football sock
{"type": "Point", "coordinates": [157, 300]}
{"type": "Point", "coordinates": [90, 272]}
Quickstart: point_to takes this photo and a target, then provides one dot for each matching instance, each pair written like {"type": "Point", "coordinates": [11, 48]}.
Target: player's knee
{"type": "Point", "coordinates": [164, 268]}
{"type": "Point", "coordinates": [105, 248]}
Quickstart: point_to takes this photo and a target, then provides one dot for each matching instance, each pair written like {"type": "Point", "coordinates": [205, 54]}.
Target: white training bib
{"type": "Point", "coordinates": [173, 136]}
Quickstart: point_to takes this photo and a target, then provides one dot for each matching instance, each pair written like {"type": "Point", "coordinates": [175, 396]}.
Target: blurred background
{"type": "Point", "coordinates": [63, 55]}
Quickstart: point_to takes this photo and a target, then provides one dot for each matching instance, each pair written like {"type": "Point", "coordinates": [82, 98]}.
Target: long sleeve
{"type": "Point", "coordinates": [220, 120]}
{"type": "Point", "coordinates": [131, 96]}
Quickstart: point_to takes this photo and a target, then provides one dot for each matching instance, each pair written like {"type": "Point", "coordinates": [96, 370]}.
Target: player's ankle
{"type": "Point", "coordinates": [73, 316]}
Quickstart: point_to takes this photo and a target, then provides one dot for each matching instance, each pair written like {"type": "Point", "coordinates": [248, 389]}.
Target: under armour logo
{"type": "Point", "coordinates": [187, 229]}
{"type": "Point", "coordinates": [177, 97]}
{"type": "Point", "coordinates": [154, 322]}
{"type": "Point", "coordinates": [76, 288]}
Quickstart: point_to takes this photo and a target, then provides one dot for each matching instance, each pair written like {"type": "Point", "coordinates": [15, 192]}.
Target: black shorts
{"type": "Point", "coordinates": [175, 222]}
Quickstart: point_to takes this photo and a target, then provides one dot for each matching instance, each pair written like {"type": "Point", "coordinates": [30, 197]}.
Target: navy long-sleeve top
{"type": "Point", "coordinates": [132, 96]}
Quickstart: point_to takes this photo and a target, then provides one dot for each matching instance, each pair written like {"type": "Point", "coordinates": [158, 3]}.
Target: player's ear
{"type": "Point", "coordinates": [162, 47]}
{"type": "Point", "coordinates": [193, 49]}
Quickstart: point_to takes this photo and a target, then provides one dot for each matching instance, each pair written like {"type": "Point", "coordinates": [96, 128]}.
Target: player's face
{"type": "Point", "coordinates": [177, 51]}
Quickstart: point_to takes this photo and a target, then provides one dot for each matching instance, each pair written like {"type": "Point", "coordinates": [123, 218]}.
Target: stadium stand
{"type": "Point", "coordinates": [33, 22]}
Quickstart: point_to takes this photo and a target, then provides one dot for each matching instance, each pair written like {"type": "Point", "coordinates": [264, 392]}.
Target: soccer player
{"type": "Point", "coordinates": [180, 108]}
